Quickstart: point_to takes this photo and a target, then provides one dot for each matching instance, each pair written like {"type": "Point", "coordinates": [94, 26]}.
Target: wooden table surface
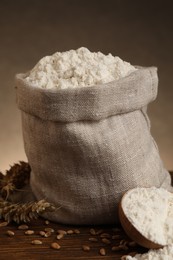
{"type": "Point", "coordinates": [19, 246]}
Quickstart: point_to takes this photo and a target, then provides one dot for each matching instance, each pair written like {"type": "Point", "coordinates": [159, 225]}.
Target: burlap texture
{"type": "Point", "coordinates": [87, 146]}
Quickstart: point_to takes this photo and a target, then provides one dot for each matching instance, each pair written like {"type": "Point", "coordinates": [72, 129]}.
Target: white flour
{"type": "Point", "coordinates": [150, 210]}
{"type": "Point", "coordinates": [77, 68]}
{"type": "Point", "coordinates": [161, 254]}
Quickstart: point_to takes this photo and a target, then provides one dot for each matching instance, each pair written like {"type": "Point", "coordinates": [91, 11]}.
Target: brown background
{"type": "Point", "coordinates": [140, 32]}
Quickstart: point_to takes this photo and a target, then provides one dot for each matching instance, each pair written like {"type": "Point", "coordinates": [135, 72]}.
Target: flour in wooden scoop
{"type": "Point", "coordinates": [150, 210]}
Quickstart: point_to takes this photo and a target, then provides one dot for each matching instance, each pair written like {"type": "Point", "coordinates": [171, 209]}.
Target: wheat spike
{"type": "Point", "coordinates": [16, 178]}
{"type": "Point", "coordinates": [23, 212]}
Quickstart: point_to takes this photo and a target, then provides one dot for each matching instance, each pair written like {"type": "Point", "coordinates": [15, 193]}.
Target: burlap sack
{"type": "Point", "coordinates": [87, 146]}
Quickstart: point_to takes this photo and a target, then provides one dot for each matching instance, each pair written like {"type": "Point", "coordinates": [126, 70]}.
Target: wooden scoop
{"type": "Point", "coordinates": [132, 232]}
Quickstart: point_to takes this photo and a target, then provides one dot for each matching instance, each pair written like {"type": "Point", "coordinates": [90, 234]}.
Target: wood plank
{"type": "Point", "coordinates": [19, 247]}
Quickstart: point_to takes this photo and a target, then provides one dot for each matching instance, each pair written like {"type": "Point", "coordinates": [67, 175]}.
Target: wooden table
{"type": "Point", "coordinates": [19, 246]}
